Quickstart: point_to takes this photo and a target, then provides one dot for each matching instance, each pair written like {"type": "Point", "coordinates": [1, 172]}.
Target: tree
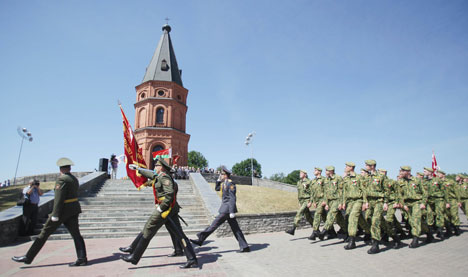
{"type": "Point", "coordinates": [292, 177]}
{"type": "Point", "coordinates": [278, 177]}
{"type": "Point", "coordinates": [244, 168]}
{"type": "Point", "coordinates": [197, 160]}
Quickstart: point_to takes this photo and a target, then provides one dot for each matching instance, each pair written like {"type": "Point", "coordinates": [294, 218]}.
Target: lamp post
{"type": "Point", "coordinates": [24, 134]}
{"type": "Point", "coordinates": [248, 141]}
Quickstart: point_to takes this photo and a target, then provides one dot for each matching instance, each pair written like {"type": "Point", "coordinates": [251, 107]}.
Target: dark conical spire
{"type": "Point", "coordinates": [163, 65]}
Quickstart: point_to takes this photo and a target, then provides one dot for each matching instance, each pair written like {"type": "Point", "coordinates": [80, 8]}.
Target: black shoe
{"type": "Point", "coordinates": [21, 259]}
{"type": "Point", "coordinates": [291, 231]}
{"type": "Point", "coordinates": [79, 262]}
{"type": "Point", "coordinates": [176, 254]}
{"type": "Point", "coordinates": [367, 239]}
{"type": "Point", "coordinates": [414, 243]}
{"type": "Point", "coordinates": [127, 249]}
{"type": "Point", "coordinates": [197, 242]}
{"type": "Point", "coordinates": [128, 259]}
{"type": "Point", "coordinates": [189, 264]}
{"type": "Point", "coordinates": [457, 231]}
{"type": "Point", "coordinates": [396, 242]}
{"type": "Point", "coordinates": [313, 236]}
{"type": "Point", "coordinates": [440, 233]}
{"type": "Point", "coordinates": [342, 232]}
{"type": "Point", "coordinates": [429, 238]}
{"type": "Point", "coordinates": [332, 234]}
{"type": "Point", "coordinates": [385, 239]}
{"type": "Point", "coordinates": [351, 244]}
{"type": "Point", "coordinates": [375, 247]}
{"type": "Point", "coordinates": [322, 234]}
{"type": "Point", "coordinates": [243, 250]}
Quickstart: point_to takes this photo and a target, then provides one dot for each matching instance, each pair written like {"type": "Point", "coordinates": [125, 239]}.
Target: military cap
{"type": "Point", "coordinates": [429, 169]}
{"type": "Point", "coordinates": [441, 171]}
{"type": "Point", "coordinates": [405, 168]}
{"type": "Point", "coordinates": [350, 164]}
{"type": "Point", "coordinates": [330, 168]}
{"type": "Point", "coordinates": [419, 173]}
{"type": "Point", "coordinates": [225, 170]}
{"type": "Point", "coordinates": [370, 162]}
{"type": "Point", "coordinates": [383, 170]}
{"type": "Point", "coordinates": [64, 162]}
{"type": "Point", "coordinates": [303, 171]}
{"type": "Point", "coordinates": [318, 168]}
{"type": "Point", "coordinates": [162, 163]}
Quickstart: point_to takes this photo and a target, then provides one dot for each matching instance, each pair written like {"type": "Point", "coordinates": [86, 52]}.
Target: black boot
{"type": "Point", "coordinates": [429, 237]}
{"type": "Point", "coordinates": [21, 259]}
{"type": "Point", "coordinates": [367, 239]}
{"type": "Point", "coordinates": [375, 247]}
{"type": "Point", "coordinates": [291, 231]}
{"type": "Point", "coordinates": [190, 263]}
{"type": "Point", "coordinates": [457, 230]}
{"type": "Point", "coordinates": [129, 249]}
{"type": "Point", "coordinates": [135, 257]}
{"type": "Point", "coordinates": [414, 243]}
{"type": "Point", "coordinates": [322, 234]}
{"type": "Point", "coordinates": [351, 244]}
{"type": "Point", "coordinates": [314, 235]}
{"type": "Point", "coordinates": [448, 230]}
{"type": "Point", "coordinates": [331, 234]}
{"type": "Point", "coordinates": [197, 242]}
{"type": "Point", "coordinates": [440, 233]}
{"type": "Point", "coordinates": [176, 254]}
{"type": "Point", "coordinates": [396, 242]}
{"type": "Point", "coordinates": [385, 239]}
{"type": "Point", "coordinates": [80, 252]}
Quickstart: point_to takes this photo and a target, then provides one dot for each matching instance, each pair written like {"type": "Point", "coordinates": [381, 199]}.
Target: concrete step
{"type": "Point", "coordinates": [118, 229]}
{"type": "Point", "coordinates": [130, 235]}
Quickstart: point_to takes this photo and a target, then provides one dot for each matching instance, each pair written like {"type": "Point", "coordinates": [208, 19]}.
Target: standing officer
{"type": "Point", "coordinates": [317, 201]}
{"type": "Point", "coordinates": [30, 207]}
{"type": "Point", "coordinates": [66, 211]}
{"type": "Point", "coordinates": [167, 209]}
{"type": "Point", "coordinates": [227, 211]}
{"type": "Point", "coordinates": [333, 197]}
{"type": "Point", "coordinates": [303, 195]}
{"type": "Point", "coordinates": [413, 201]}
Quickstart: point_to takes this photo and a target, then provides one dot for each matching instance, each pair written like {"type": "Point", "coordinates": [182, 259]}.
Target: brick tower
{"type": "Point", "coordinates": [161, 105]}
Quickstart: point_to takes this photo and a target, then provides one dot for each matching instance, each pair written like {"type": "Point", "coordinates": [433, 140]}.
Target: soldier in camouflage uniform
{"type": "Point", "coordinates": [317, 200]}
{"type": "Point", "coordinates": [333, 199]}
{"type": "Point", "coordinates": [376, 204]}
{"type": "Point", "coordinates": [451, 213]}
{"type": "Point", "coordinates": [303, 195]}
{"type": "Point", "coordinates": [436, 201]}
{"type": "Point", "coordinates": [463, 187]}
{"type": "Point", "coordinates": [413, 201]}
{"type": "Point", "coordinates": [392, 190]}
{"type": "Point", "coordinates": [353, 198]}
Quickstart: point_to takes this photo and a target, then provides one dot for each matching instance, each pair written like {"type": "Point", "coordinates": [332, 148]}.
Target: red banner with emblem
{"type": "Point", "coordinates": [435, 167]}
{"type": "Point", "coordinates": [133, 154]}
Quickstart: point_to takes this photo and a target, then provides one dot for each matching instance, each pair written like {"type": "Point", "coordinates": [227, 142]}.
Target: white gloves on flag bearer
{"type": "Point", "coordinates": [232, 215]}
{"type": "Point", "coordinates": [54, 219]}
{"type": "Point", "coordinates": [132, 166]}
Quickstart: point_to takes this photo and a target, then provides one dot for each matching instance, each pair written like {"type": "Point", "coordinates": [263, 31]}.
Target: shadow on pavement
{"type": "Point", "coordinates": [113, 257]}
{"type": "Point", "coordinates": [46, 265]}
{"type": "Point", "coordinates": [298, 238]}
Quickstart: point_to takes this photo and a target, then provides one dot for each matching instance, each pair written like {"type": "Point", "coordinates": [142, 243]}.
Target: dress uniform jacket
{"type": "Point", "coordinates": [228, 201]}
{"type": "Point", "coordinates": [66, 197]}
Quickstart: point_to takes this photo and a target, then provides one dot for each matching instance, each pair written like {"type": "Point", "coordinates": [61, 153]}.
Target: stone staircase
{"type": "Point", "coordinates": [118, 209]}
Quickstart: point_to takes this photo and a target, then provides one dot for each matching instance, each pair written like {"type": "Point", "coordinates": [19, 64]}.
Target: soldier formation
{"type": "Point", "coordinates": [366, 204]}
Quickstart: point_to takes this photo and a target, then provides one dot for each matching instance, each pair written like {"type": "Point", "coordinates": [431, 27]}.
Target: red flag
{"type": "Point", "coordinates": [434, 164]}
{"type": "Point", "coordinates": [133, 154]}
{"type": "Point", "coordinates": [165, 154]}
{"type": "Point", "coordinates": [175, 159]}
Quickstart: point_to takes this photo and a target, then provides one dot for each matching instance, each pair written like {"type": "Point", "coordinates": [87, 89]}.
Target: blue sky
{"type": "Point", "coordinates": [320, 82]}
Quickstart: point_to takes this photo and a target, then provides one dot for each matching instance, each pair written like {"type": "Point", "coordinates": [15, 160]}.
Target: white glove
{"type": "Point", "coordinates": [54, 219]}
{"type": "Point", "coordinates": [132, 166]}
{"type": "Point", "coordinates": [159, 209]}
{"type": "Point", "coordinates": [232, 215]}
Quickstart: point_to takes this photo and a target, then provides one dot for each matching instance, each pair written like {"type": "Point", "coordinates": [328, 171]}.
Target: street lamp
{"type": "Point", "coordinates": [24, 134]}
{"type": "Point", "coordinates": [248, 141]}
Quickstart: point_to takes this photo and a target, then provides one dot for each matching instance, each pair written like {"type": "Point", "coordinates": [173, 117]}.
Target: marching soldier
{"type": "Point", "coordinates": [303, 195]}
{"type": "Point", "coordinates": [463, 186]}
{"type": "Point", "coordinates": [333, 197]}
{"type": "Point", "coordinates": [453, 194]}
{"type": "Point", "coordinates": [227, 211]}
{"type": "Point", "coordinates": [166, 212]}
{"type": "Point", "coordinates": [317, 201]}
{"type": "Point", "coordinates": [413, 201]}
{"type": "Point", "coordinates": [66, 210]}
{"type": "Point", "coordinates": [437, 201]}
{"type": "Point", "coordinates": [394, 198]}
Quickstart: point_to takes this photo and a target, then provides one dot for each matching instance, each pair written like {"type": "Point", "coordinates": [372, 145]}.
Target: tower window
{"type": "Point", "coordinates": [161, 93]}
{"type": "Point", "coordinates": [160, 115]}
{"type": "Point", "coordinates": [164, 65]}
{"type": "Point", "coordinates": [143, 95]}
{"type": "Point", "coordinates": [178, 97]}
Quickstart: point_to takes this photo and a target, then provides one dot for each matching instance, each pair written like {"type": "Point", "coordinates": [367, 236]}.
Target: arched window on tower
{"type": "Point", "coordinates": [160, 115]}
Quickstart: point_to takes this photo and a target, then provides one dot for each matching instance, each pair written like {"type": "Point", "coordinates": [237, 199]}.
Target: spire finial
{"type": "Point", "coordinates": [166, 26]}
{"type": "Point", "coordinates": [167, 20]}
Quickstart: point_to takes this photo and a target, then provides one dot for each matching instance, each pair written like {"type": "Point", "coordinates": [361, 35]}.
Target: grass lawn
{"type": "Point", "coordinates": [10, 195]}
{"type": "Point", "coordinates": [252, 199]}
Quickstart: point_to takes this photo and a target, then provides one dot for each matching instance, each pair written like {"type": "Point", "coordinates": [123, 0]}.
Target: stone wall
{"type": "Point", "coordinates": [262, 223]}
{"type": "Point", "coordinates": [238, 180]}
{"type": "Point", "coordinates": [49, 177]}
{"type": "Point", "coordinates": [10, 218]}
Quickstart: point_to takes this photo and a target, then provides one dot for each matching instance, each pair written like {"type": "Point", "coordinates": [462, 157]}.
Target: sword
{"type": "Point", "coordinates": [135, 167]}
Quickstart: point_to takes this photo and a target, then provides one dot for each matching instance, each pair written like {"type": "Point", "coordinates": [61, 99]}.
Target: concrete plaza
{"type": "Point", "coordinates": [273, 254]}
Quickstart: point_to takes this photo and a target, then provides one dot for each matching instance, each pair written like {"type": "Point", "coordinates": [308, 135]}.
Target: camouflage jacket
{"type": "Point", "coordinates": [333, 188]}
{"type": "Point", "coordinates": [303, 189]}
{"type": "Point", "coordinates": [353, 188]}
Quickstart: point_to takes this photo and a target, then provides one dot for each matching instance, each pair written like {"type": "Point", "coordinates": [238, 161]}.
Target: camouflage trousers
{"type": "Point", "coordinates": [451, 214]}
{"type": "Point", "coordinates": [375, 213]}
{"type": "Point", "coordinates": [415, 219]}
{"type": "Point", "coordinates": [391, 219]}
{"type": "Point", "coordinates": [303, 212]}
{"type": "Point", "coordinates": [464, 206]}
{"type": "Point", "coordinates": [355, 217]}
{"type": "Point", "coordinates": [319, 216]}
{"type": "Point", "coordinates": [436, 210]}
{"type": "Point", "coordinates": [334, 215]}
